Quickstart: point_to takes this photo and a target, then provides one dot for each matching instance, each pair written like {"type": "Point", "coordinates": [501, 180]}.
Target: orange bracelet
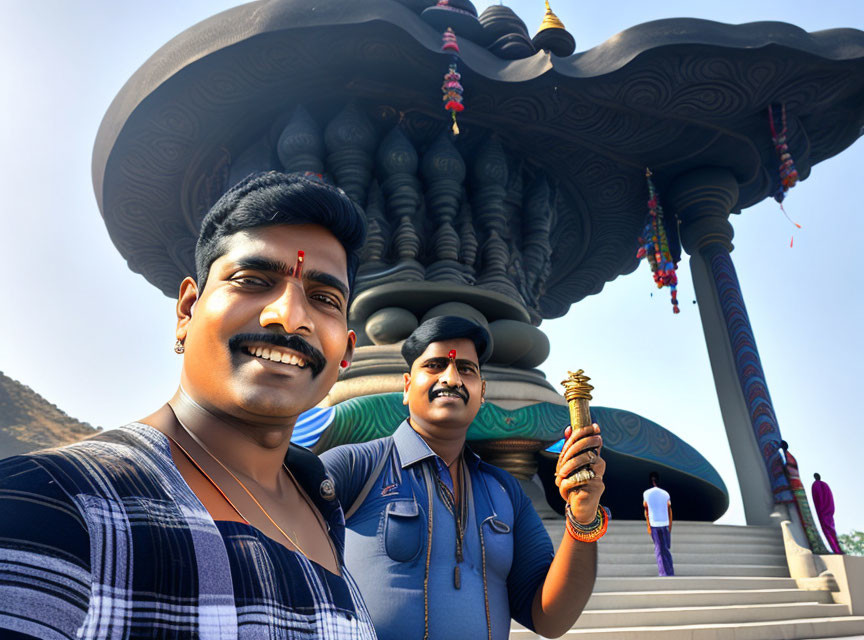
{"type": "Point", "coordinates": [592, 535]}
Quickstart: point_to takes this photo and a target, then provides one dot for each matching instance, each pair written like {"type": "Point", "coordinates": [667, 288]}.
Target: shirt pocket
{"type": "Point", "coordinates": [498, 540]}
{"type": "Point", "coordinates": [403, 530]}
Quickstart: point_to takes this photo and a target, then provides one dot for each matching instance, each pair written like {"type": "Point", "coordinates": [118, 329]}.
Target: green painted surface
{"type": "Point", "coordinates": [375, 416]}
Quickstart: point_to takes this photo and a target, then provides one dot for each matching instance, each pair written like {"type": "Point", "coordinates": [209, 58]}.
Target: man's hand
{"type": "Point", "coordinates": [570, 579]}
{"type": "Point", "coordinates": [584, 498]}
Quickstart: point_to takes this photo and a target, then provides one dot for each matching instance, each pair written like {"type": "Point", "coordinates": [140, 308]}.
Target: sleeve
{"type": "Point", "coordinates": [44, 555]}
{"type": "Point", "coordinates": [349, 467]}
{"type": "Point", "coordinates": [532, 555]}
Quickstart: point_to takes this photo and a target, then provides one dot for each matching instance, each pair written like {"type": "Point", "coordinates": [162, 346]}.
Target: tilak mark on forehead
{"type": "Point", "coordinates": [297, 271]}
{"type": "Point", "coordinates": [452, 355]}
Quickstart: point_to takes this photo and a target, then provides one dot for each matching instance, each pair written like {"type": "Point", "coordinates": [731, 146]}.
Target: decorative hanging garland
{"type": "Point", "coordinates": [655, 247]}
{"type": "Point", "coordinates": [451, 88]}
{"type": "Point", "coordinates": [788, 172]}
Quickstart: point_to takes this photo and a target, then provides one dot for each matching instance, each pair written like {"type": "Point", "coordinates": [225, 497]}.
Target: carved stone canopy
{"type": "Point", "coordinates": [548, 174]}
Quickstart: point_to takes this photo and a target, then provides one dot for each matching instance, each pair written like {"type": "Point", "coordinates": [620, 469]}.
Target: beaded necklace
{"type": "Point", "coordinates": [461, 519]}
{"type": "Point", "coordinates": [459, 509]}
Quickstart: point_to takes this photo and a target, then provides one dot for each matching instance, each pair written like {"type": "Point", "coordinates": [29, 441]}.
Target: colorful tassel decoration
{"type": "Point", "coordinates": [788, 172]}
{"type": "Point", "coordinates": [655, 247]}
{"type": "Point", "coordinates": [449, 42]}
{"type": "Point", "coordinates": [451, 88]}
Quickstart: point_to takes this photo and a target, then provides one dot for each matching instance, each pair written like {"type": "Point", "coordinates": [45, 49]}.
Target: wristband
{"type": "Point", "coordinates": [587, 532]}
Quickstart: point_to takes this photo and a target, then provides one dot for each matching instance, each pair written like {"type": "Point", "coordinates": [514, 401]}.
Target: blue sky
{"type": "Point", "coordinates": [96, 339]}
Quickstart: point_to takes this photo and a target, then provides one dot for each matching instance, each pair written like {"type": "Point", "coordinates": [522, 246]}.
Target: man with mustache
{"type": "Point", "coordinates": [444, 545]}
{"type": "Point", "coordinates": [202, 520]}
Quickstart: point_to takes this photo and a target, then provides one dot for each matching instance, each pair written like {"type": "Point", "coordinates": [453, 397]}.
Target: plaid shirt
{"type": "Point", "coordinates": [104, 539]}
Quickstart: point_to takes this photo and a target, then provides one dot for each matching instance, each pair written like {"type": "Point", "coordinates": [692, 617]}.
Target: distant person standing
{"type": "Point", "coordinates": [658, 517]}
{"type": "Point", "coordinates": [802, 505]}
{"type": "Point", "coordinates": [823, 500]}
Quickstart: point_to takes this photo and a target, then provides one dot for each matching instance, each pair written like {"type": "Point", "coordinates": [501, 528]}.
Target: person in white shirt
{"type": "Point", "coordinates": [658, 517]}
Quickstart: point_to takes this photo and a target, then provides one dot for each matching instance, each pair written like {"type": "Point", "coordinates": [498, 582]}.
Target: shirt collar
{"type": "Point", "coordinates": [412, 448]}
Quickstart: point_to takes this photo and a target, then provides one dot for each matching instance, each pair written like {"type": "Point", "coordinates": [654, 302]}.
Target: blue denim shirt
{"type": "Point", "coordinates": [386, 541]}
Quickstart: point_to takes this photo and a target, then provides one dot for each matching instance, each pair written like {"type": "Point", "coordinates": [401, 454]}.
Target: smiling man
{"type": "Point", "coordinates": [444, 545]}
{"type": "Point", "coordinates": [202, 520]}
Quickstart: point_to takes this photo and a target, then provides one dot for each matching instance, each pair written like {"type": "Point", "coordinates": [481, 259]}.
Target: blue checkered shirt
{"type": "Point", "coordinates": [104, 539]}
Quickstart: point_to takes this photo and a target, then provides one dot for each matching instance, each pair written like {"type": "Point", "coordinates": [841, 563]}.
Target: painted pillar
{"type": "Point", "coordinates": [702, 200]}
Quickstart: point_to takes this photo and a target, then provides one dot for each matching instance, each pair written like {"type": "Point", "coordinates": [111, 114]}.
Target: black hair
{"type": "Point", "coordinates": [817, 476]}
{"type": "Point", "coordinates": [784, 445]}
{"type": "Point", "coordinates": [654, 477]}
{"type": "Point", "coordinates": [447, 328]}
{"type": "Point", "coordinates": [272, 198]}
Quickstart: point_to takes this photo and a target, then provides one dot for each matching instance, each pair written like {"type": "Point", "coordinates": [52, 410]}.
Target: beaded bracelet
{"type": "Point", "coordinates": [584, 527]}
{"type": "Point", "coordinates": [590, 532]}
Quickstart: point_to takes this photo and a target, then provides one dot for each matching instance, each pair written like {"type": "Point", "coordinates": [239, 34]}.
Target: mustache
{"type": "Point", "coordinates": [461, 391]}
{"type": "Point", "coordinates": [315, 360]}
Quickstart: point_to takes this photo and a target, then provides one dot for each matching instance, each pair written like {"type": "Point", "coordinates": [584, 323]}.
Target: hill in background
{"type": "Point", "coordinates": [29, 422]}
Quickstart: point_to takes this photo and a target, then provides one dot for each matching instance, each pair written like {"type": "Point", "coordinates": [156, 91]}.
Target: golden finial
{"type": "Point", "coordinates": [577, 392]}
{"type": "Point", "coordinates": [576, 386]}
{"type": "Point", "coordinates": [550, 20]}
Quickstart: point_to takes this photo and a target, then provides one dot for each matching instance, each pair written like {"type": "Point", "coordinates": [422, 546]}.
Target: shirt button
{"type": "Point", "coordinates": [327, 489]}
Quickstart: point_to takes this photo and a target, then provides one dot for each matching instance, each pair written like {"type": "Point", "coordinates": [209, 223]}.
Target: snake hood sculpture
{"type": "Point", "coordinates": [542, 196]}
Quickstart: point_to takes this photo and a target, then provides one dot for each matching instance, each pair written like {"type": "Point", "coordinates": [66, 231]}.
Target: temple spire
{"type": "Point", "coordinates": [552, 36]}
{"type": "Point", "coordinates": [550, 20]}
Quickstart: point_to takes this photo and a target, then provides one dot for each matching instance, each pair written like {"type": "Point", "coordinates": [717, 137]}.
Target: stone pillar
{"type": "Point", "coordinates": [702, 200]}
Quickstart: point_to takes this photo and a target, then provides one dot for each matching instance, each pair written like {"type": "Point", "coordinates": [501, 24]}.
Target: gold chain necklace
{"type": "Point", "coordinates": [238, 481]}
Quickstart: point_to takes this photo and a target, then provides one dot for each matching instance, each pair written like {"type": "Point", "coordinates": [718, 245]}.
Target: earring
{"type": "Point", "coordinates": [179, 347]}
{"type": "Point", "coordinates": [344, 364]}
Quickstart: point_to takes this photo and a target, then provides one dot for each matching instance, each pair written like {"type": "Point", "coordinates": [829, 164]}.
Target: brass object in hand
{"type": "Point", "coordinates": [577, 392]}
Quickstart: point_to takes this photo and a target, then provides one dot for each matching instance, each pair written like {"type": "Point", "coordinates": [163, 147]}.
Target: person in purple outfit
{"type": "Point", "coordinates": [658, 517]}
{"type": "Point", "coordinates": [823, 500]}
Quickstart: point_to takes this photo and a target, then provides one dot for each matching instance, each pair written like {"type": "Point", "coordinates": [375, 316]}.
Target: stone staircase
{"type": "Point", "coordinates": [731, 582]}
